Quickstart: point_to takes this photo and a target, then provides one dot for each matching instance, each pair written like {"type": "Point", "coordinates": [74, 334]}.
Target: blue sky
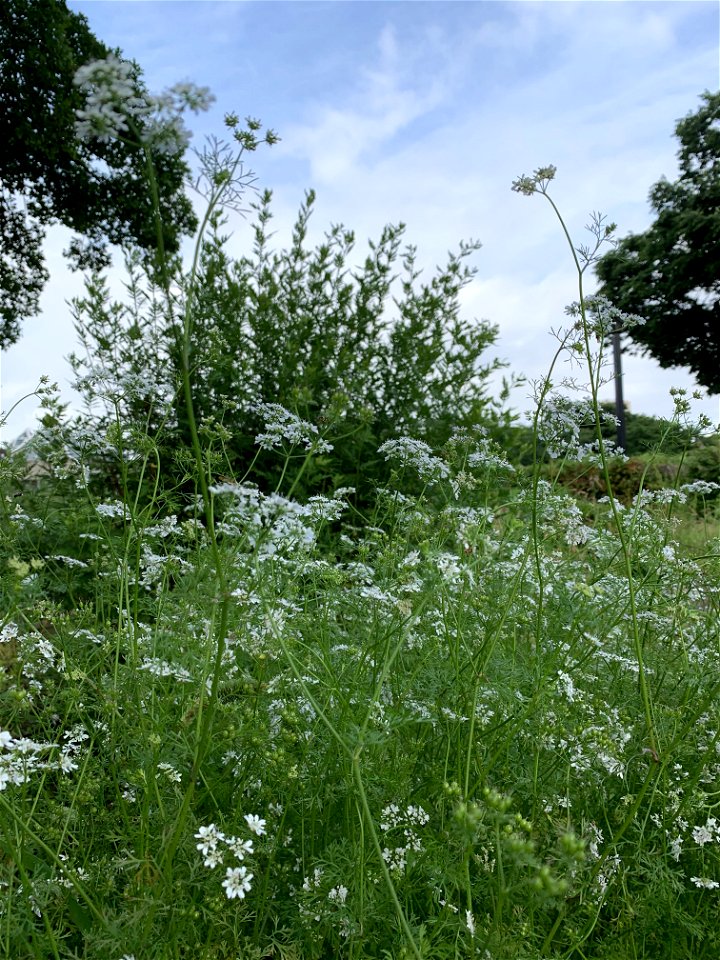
{"type": "Point", "coordinates": [425, 113]}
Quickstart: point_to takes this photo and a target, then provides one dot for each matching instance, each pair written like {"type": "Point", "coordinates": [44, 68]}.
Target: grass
{"type": "Point", "coordinates": [469, 723]}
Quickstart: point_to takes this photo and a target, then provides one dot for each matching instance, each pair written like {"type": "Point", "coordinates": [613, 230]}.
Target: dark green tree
{"type": "Point", "coordinates": [97, 186]}
{"type": "Point", "coordinates": [670, 275]}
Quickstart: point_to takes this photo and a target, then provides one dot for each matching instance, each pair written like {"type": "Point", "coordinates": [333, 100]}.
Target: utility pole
{"type": "Point", "coordinates": [619, 404]}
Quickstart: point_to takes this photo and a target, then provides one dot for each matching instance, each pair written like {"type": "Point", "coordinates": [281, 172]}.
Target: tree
{"type": "Point", "coordinates": [367, 354]}
{"type": "Point", "coordinates": [96, 184]}
{"type": "Point", "coordinates": [670, 275]}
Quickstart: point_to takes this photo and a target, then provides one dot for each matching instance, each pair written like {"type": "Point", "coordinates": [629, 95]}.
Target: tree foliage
{"type": "Point", "coordinates": [670, 275]}
{"type": "Point", "coordinates": [367, 353]}
{"type": "Point", "coordinates": [97, 187]}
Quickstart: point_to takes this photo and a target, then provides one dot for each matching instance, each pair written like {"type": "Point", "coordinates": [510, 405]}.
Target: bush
{"type": "Point", "coordinates": [643, 433]}
{"type": "Point", "coordinates": [364, 353]}
{"type": "Point", "coordinates": [627, 478]}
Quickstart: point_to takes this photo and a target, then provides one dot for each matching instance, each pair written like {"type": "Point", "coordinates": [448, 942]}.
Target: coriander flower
{"type": "Point", "coordinates": [701, 836]}
{"type": "Point", "coordinates": [417, 455]}
{"type": "Point", "coordinates": [114, 102]}
{"type": "Point", "coordinates": [239, 847]}
{"type": "Point", "coordinates": [237, 882]}
{"type": "Point", "coordinates": [208, 837]}
{"type": "Point", "coordinates": [66, 762]}
{"type": "Point", "coordinates": [255, 824]}
{"type": "Point", "coordinates": [700, 486]}
{"type": "Point", "coordinates": [213, 858]}
{"type": "Point", "coordinates": [110, 510]}
{"type": "Point", "coordinates": [110, 99]}
{"type": "Point", "coordinates": [281, 424]}
{"type": "Point", "coordinates": [338, 894]}
{"type": "Point", "coordinates": [197, 99]}
{"type": "Point", "coordinates": [173, 775]}
{"type": "Point", "coordinates": [704, 883]}
{"type": "Point", "coordinates": [536, 183]}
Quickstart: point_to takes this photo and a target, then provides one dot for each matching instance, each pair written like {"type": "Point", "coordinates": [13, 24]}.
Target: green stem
{"type": "Point", "coordinates": [219, 634]}
{"type": "Point", "coordinates": [378, 849]}
{"type": "Point", "coordinates": [57, 862]}
{"type": "Point", "coordinates": [637, 643]}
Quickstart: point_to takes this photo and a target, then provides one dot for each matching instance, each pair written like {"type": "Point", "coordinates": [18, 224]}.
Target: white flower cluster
{"type": "Point", "coordinates": [704, 883]}
{"type": "Point", "coordinates": [161, 668]}
{"type": "Point", "coordinates": [561, 512]}
{"type": "Point", "coordinates": [155, 565]}
{"type": "Point", "coordinates": [110, 99]}
{"type": "Point", "coordinates": [708, 833]}
{"type": "Point", "coordinates": [665, 496]}
{"type": "Point", "coordinates": [559, 425]}
{"type": "Point", "coordinates": [338, 894]}
{"type": "Point", "coordinates": [416, 455]}
{"type": "Point", "coordinates": [602, 317]}
{"type": "Point", "coordinates": [69, 561]}
{"type": "Point", "coordinates": [111, 510]}
{"type": "Point", "coordinates": [21, 757]}
{"type": "Point", "coordinates": [313, 882]}
{"type": "Point", "coordinates": [115, 103]}
{"type": "Point", "coordinates": [9, 633]}
{"type": "Point", "coordinates": [164, 528]}
{"type": "Point", "coordinates": [485, 456]}
{"type": "Point", "coordinates": [566, 686]}
{"type": "Point", "coordinates": [281, 424]}
{"type": "Point", "coordinates": [323, 905]}
{"type": "Point", "coordinates": [702, 487]}
{"type": "Point", "coordinates": [271, 523]}
{"type": "Point", "coordinates": [39, 657]}
{"type": "Point", "coordinates": [408, 820]}
{"type": "Point", "coordinates": [169, 771]}
{"type": "Point", "coordinates": [22, 520]}
{"type": "Point", "coordinates": [238, 881]}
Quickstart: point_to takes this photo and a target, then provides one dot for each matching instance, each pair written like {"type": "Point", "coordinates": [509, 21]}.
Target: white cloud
{"type": "Point", "coordinates": [340, 138]}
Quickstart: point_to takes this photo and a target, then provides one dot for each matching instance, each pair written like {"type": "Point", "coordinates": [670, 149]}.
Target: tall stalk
{"type": "Point", "coordinates": [223, 185]}
{"type": "Point", "coordinates": [539, 184]}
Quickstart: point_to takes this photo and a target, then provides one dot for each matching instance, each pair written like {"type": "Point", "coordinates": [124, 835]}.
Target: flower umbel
{"type": "Point", "coordinates": [255, 824]}
{"type": "Point", "coordinates": [537, 183]}
{"type": "Point", "coordinates": [237, 882]}
{"type": "Point", "coordinates": [214, 846]}
{"type": "Point", "coordinates": [116, 106]}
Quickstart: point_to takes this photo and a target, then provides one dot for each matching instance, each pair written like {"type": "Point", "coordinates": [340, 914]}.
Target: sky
{"type": "Point", "coordinates": [425, 112]}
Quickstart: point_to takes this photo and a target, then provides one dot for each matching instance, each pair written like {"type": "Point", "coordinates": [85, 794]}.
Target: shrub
{"type": "Point", "coordinates": [366, 354]}
{"type": "Point", "coordinates": [643, 433]}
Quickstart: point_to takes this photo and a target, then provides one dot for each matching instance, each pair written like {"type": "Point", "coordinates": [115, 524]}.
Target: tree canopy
{"type": "Point", "coordinates": [95, 185]}
{"type": "Point", "coordinates": [670, 274]}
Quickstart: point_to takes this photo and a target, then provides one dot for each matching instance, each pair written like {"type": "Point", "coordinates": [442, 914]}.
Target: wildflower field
{"type": "Point", "coordinates": [298, 661]}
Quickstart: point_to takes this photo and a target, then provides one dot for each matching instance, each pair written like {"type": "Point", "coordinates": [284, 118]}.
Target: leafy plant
{"type": "Point", "coordinates": [303, 329]}
{"type": "Point", "coordinates": [477, 724]}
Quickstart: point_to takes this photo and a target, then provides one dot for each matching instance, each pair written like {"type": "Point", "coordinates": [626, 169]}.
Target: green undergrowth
{"type": "Point", "coordinates": [436, 717]}
{"type": "Point", "coordinates": [464, 715]}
